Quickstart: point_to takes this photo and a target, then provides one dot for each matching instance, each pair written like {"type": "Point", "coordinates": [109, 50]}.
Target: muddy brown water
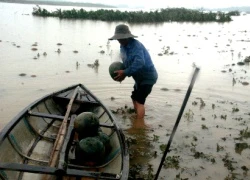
{"type": "Point", "coordinates": [212, 140]}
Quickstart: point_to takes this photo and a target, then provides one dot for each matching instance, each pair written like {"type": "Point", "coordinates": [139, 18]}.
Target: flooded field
{"type": "Point", "coordinates": [42, 55]}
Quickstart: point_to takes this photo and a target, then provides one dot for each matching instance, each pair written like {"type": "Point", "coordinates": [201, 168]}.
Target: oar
{"type": "Point", "coordinates": [177, 121]}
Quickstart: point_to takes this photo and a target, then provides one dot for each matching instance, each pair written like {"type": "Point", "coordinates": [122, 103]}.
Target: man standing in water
{"type": "Point", "coordinates": [138, 64]}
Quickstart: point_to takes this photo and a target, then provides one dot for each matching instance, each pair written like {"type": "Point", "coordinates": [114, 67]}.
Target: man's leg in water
{"type": "Point", "coordinates": [140, 110]}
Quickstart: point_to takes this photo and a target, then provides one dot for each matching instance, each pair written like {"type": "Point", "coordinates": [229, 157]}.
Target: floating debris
{"type": "Point", "coordinates": [45, 54]}
{"type": "Point", "coordinates": [67, 71]}
{"type": "Point", "coordinates": [34, 49]}
{"type": "Point", "coordinates": [58, 51]}
{"type": "Point", "coordinates": [164, 89]}
{"type": "Point", "coordinates": [75, 51]}
{"type": "Point", "coordinates": [33, 76]}
{"type": "Point", "coordinates": [59, 44]}
{"type": "Point", "coordinates": [241, 63]}
{"type": "Point", "coordinates": [194, 103]}
{"type": "Point", "coordinates": [124, 110]}
{"type": "Point", "coordinates": [22, 74]}
{"type": "Point", "coordinates": [204, 126]}
{"type": "Point", "coordinates": [95, 64]}
{"type": "Point", "coordinates": [245, 83]}
{"type": "Point", "coordinates": [244, 168]}
{"type": "Point", "coordinates": [102, 51]}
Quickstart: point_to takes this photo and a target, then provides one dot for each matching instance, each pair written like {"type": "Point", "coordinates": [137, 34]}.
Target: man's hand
{"type": "Point", "coordinates": [120, 75]}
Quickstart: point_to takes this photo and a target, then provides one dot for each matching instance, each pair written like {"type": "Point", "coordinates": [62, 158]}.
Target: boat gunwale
{"type": "Point", "coordinates": [4, 132]}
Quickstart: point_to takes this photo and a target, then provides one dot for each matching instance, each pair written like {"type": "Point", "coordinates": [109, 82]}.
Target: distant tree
{"type": "Point", "coordinates": [162, 15]}
{"type": "Point", "coordinates": [234, 13]}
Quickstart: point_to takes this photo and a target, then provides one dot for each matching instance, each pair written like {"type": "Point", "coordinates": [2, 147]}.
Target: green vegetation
{"type": "Point", "coordinates": [245, 133]}
{"type": "Point", "coordinates": [163, 15]}
{"type": "Point", "coordinates": [189, 115]}
{"type": "Point", "coordinates": [172, 162]}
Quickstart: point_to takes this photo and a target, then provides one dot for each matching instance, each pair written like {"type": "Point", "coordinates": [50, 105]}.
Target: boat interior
{"type": "Point", "coordinates": [29, 143]}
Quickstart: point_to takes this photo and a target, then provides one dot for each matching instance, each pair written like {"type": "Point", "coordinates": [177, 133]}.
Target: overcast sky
{"type": "Point", "coordinates": [173, 3]}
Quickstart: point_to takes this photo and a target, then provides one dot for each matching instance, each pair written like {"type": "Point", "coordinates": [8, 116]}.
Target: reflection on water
{"type": "Point", "coordinates": [140, 148]}
{"type": "Point", "coordinates": [175, 48]}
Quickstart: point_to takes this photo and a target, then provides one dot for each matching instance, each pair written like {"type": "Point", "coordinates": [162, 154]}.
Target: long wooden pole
{"type": "Point", "coordinates": [62, 131]}
{"type": "Point", "coordinates": [177, 121]}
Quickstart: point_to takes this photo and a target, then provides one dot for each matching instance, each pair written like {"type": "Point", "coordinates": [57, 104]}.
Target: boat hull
{"type": "Point", "coordinates": [39, 142]}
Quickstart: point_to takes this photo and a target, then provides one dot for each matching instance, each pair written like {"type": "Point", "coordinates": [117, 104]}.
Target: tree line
{"type": "Point", "coordinates": [162, 15]}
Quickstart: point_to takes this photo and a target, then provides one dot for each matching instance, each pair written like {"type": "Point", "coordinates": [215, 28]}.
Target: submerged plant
{"type": "Point", "coordinates": [202, 103]}
{"type": "Point", "coordinates": [239, 147]}
{"type": "Point", "coordinates": [189, 115]}
{"type": "Point", "coordinates": [150, 172]}
{"type": "Point", "coordinates": [228, 163]}
{"type": "Point", "coordinates": [172, 162]}
{"type": "Point", "coordinates": [245, 133]}
{"type": "Point", "coordinates": [235, 109]}
{"type": "Point", "coordinates": [163, 147]}
{"type": "Point", "coordinates": [204, 126]}
{"type": "Point", "coordinates": [223, 117]}
{"type": "Point", "coordinates": [156, 138]}
{"type": "Point", "coordinates": [194, 103]}
{"type": "Point", "coordinates": [195, 138]}
{"type": "Point", "coordinates": [219, 148]}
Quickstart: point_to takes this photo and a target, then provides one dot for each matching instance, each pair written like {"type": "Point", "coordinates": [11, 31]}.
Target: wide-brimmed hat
{"type": "Point", "coordinates": [122, 32]}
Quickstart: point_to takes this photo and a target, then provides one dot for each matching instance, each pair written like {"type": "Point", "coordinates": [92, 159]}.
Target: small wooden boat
{"type": "Point", "coordinates": [39, 143]}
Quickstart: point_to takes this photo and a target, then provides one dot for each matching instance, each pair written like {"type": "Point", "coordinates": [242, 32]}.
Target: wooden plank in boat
{"type": "Point", "coordinates": [78, 101]}
{"type": "Point", "coordinates": [45, 115]}
{"type": "Point", "coordinates": [58, 117]}
{"type": "Point", "coordinates": [27, 168]}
